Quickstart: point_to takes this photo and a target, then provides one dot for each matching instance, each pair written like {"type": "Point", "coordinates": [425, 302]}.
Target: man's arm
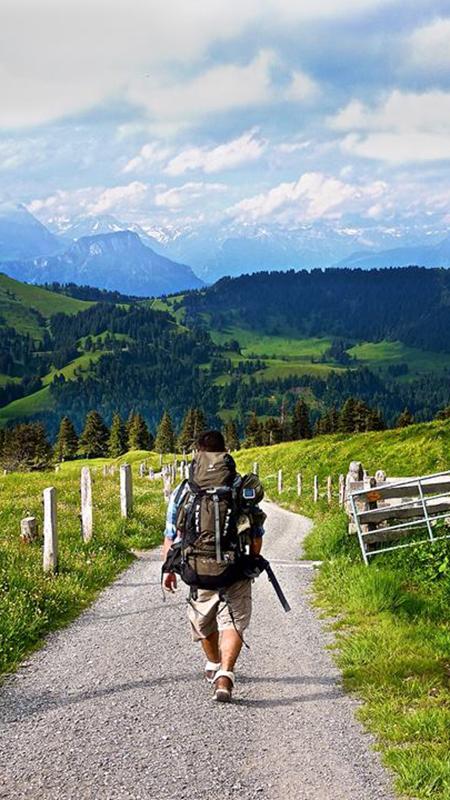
{"type": "Point", "coordinates": [170, 534]}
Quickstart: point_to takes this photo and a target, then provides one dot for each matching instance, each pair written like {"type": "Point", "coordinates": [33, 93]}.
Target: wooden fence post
{"type": "Point", "coordinates": [316, 488]}
{"type": "Point", "coordinates": [299, 484]}
{"type": "Point", "coordinates": [142, 470]}
{"type": "Point", "coordinates": [86, 504]}
{"type": "Point", "coordinates": [329, 489]}
{"type": "Point", "coordinates": [255, 468]}
{"type": "Point", "coordinates": [126, 490]}
{"type": "Point", "coordinates": [280, 481]}
{"type": "Point", "coordinates": [28, 529]}
{"type": "Point", "coordinates": [50, 562]}
{"type": "Point", "coordinates": [105, 470]}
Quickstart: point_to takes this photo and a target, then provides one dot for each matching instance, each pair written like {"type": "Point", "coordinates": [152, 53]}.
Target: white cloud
{"type": "Point", "coordinates": [150, 155]}
{"type": "Point", "coordinates": [313, 196]}
{"type": "Point", "coordinates": [403, 127]}
{"type": "Point", "coordinates": [248, 147]}
{"type": "Point", "coordinates": [180, 196]}
{"type": "Point", "coordinates": [302, 87]}
{"type": "Point", "coordinates": [90, 200]}
{"type": "Point", "coordinates": [70, 57]}
{"type": "Point", "coordinates": [428, 47]}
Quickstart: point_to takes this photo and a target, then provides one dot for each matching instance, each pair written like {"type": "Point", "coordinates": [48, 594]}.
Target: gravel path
{"type": "Point", "coordinates": [114, 706]}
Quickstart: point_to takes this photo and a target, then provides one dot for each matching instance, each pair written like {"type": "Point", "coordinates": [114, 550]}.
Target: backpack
{"type": "Point", "coordinates": [210, 550]}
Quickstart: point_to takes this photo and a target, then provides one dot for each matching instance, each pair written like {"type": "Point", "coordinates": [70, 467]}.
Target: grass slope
{"type": "Point", "coordinates": [32, 604]}
{"type": "Point", "coordinates": [19, 300]}
{"type": "Point", "coordinates": [393, 629]}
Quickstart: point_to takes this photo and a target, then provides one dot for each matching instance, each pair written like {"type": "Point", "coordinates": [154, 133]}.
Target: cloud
{"type": "Point", "coordinates": [403, 127]}
{"type": "Point", "coordinates": [248, 147]}
{"type": "Point", "coordinates": [180, 196]}
{"type": "Point", "coordinates": [428, 46]}
{"type": "Point", "coordinates": [150, 155]}
{"type": "Point", "coordinates": [90, 200]}
{"type": "Point", "coordinates": [313, 196]}
{"type": "Point", "coordinates": [301, 87]}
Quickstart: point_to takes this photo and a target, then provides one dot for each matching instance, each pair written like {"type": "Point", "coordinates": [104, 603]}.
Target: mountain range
{"type": "Point", "coordinates": [116, 261]}
{"type": "Point", "coordinates": [153, 260]}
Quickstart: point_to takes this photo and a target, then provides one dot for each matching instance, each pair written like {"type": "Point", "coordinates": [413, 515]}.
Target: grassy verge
{"type": "Point", "coordinates": [32, 604]}
{"type": "Point", "coordinates": [392, 628]}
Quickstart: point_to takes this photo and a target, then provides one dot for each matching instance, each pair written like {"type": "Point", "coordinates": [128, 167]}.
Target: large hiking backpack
{"type": "Point", "coordinates": [210, 550]}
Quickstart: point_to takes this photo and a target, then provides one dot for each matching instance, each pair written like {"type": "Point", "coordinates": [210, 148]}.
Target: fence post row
{"type": "Point", "coordinates": [126, 491]}
{"type": "Point", "coordinates": [50, 561]}
{"type": "Point", "coordinates": [86, 504]}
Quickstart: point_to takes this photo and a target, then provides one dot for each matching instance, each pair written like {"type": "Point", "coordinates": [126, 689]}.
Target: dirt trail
{"type": "Point", "coordinates": [115, 706]}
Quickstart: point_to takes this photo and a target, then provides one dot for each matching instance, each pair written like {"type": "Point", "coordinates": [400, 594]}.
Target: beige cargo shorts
{"type": "Point", "coordinates": [209, 613]}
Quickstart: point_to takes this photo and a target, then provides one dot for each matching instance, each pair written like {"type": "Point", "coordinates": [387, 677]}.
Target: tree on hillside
{"type": "Point", "coordinates": [231, 436]}
{"type": "Point", "coordinates": [404, 419]}
{"type": "Point", "coordinates": [444, 413]}
{"type": "Point", "coordinates": [301, 425]}
{"type": "Point", "coordinates": [347, 416]}
{"type": "Point", "coordinates": [165, 437]}
{"type": "Point", "coordinates": [26, 448]}
{"type": "Point", "coordinates": [117, 442]}
{"type": "Point", "coordinates": [186, 437]}
{"type": "Point", "coordinates": [254, 433]}
{"type": "Point", "coordinates": [67, 441]}
{"type": "Point", "coordinates": [2, 441]}
{"type": "Point", "coordinates": [194, 424]}
{"type": "Point", "coordinates": [95, 436]}
{"type": "Point", "coordinates": [139, 436]}
{"type": "Point", "coordinates": [272, 431]}
{"type": "Point", "coordinates": [375, 420]}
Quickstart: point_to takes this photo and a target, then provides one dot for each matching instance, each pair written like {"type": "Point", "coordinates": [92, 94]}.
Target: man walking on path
{"type": "Point", "coordinates": [221, 613]}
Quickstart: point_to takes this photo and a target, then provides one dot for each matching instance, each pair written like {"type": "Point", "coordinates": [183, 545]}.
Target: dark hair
{"type": "Point", "coordinates": [212, 442]}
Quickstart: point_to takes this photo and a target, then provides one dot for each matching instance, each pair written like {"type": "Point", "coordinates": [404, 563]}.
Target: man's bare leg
{"type": "Point", "coordinates": [211, 647]}
{"type": "Point", "coordinates": [230, 647]}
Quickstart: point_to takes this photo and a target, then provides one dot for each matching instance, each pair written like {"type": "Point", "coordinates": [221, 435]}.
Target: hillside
{"type": "Point", "coordinates": [390, 619]}
{"type": "Point", "coordinates": [18, 299]}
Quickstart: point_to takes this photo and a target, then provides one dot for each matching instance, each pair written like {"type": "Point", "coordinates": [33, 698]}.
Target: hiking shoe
{"type": "Point", "coordinates": [222, 693]}
{"type": "Point", "coordinates": [211, 668]}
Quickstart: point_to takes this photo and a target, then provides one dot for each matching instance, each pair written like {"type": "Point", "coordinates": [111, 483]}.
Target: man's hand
{"type": "Point", "coordinates": [170, 582]}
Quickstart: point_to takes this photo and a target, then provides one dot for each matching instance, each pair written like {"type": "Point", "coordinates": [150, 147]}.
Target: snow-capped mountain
{"type": "Point", "coordinates": [73, 229]}
{"type": "Point", "coordinates": [116, 261]}
{"type": "Point", "coordinates": [23, 236]}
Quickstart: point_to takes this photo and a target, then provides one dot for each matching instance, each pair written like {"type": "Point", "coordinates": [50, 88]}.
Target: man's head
{"type": "Point", "coordinates": [211, 442]}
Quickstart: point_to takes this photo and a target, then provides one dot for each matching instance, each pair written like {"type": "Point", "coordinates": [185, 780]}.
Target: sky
{"type": "Point", "coordinates": [242, 113]}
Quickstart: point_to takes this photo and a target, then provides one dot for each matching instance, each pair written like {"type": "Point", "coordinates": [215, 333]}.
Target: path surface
{"type": "Point", "coordinates": [115, 706]}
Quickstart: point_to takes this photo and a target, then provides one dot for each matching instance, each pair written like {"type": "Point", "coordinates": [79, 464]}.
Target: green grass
{"type": "Point", "coordinates": [35, 403]}
{"type": "Point", "coordinates": [17, 301]}
{"type": "Point", "coordinates": [393, 629]}
{"type": "Point", "coordinates": [385, 354]}
{"type": "Point", "coordinates": [32, 604]}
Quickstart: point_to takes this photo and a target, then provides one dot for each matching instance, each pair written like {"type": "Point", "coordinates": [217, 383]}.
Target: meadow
{"type": "Point", "coordinates": [32, 604]}
{"type": "Point", "coordinates": [391, 619]}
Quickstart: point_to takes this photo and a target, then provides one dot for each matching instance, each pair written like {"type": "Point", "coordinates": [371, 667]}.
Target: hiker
{"type": "Point", "coordinates": [214, 527]}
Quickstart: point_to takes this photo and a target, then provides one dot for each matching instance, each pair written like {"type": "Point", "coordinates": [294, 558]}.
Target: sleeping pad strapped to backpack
{"type": "Point", "coordinates": [210, 551]}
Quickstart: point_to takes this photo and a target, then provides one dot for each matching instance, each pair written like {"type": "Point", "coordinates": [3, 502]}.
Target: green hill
{"type": "Point", "coordinates": [19, 302]}
{"type": "Point", "coordinates": [392, 624]}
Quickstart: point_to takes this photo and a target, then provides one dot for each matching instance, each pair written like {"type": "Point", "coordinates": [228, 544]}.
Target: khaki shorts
{"type": "Point", "coordinates": [209, 613]}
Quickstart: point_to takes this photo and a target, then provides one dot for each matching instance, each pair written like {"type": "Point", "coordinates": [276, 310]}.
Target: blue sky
{"type": "Point", "coordinates": [181, 115]}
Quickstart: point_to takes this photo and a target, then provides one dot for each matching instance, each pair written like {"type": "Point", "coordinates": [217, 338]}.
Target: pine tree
{"type": "Point", "coordinates": [67, 441]}
{"type": "Point", "coordinates": [165, 437]}
{"type": "Point", "coordinates": [347, 417]}
{"type": "Point", "coordinates": [186, 437]}
{"type": "Point", "coordinates": [139, 436]}
{"type": "Point", "coordinates": [231, 436]}
{"type": "Point", "coordinates": [375, 421]}
{"type": "Point", "coordinates": [404, 419]}
{"type": "Point", "coordinates": [301, 425]}
{"type": "Point", "coordinates": [26, 448]}
{"type": "Point", "coordinates": [95, 436]}
{"type": "Point", "coordinates": [199, 424]}
{"type": "Point", "coordinates": [253, 432]}
{"type": "Point", "coordinates": [272, 432]}
{"type": "Point", "coordinates": [117, 442]}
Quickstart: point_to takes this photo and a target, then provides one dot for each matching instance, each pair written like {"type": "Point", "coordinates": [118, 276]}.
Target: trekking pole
{"type": "Point", "coordinates": [265, 565]}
